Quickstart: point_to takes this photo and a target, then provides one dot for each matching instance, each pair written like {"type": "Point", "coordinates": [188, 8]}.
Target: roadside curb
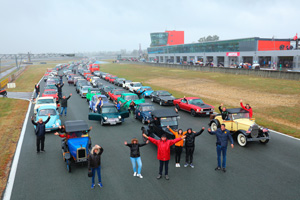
{"type": "Point", "coordinates": [14, 166]}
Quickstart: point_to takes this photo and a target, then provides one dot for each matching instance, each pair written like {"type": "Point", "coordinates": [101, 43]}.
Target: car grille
{"type": "Point", "coordinates": [81, 153]}
{"type": "Point", "coordinates": [207, 109]}
{"type": "Point", "coordinates": [170, 101]}
{"type": "Point", "coordinates": [112, 119]}
{"type": "Point", "coordinates": [254, 132]}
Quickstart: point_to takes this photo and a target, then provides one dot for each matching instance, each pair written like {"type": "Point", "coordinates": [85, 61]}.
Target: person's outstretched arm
{"type": "Point", "coordinates": [200, 132]}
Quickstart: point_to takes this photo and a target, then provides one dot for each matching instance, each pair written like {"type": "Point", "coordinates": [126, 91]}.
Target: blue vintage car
{"type": "Point", "coordinates": [92, 103]}
{"type": "Point", "coordinates": [77, 144]}
{"type": "Point", "coordinates": [143, 112]}
{"type": "Point", "coordinates": [43, 111]}
{"type": "Point", "coordinates": [146, 93]}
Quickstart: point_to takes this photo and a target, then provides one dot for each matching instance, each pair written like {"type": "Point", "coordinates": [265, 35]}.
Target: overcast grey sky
{"type": "Point", "coordinates": [68, 26]}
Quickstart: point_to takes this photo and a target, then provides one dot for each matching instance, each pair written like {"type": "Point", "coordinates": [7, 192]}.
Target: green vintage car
{"type": "Point", "coordinates": [128, 97]}
{"type": "Point", "coordinates": [109, 114]}
{"type": "Point", "coordinates": [91, 93]}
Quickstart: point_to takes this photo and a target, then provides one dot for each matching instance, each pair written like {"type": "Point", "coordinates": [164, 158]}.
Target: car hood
{"type": "Point", "coordinates": [148, 92]}
{"type": "Point", "coordinates": [111, 115]}
{"type": "Point", "coordinates": [147, 113]}
{"type": "Point", "coordinates": [51, 122]}
{"type": "Point", "coordinates": [166, 98]}
{"type": "Point", "coordinates": [46, 104]}
{"type": "Point", "coordinates": [138, 101]}
{"type": "Point", "coordinates": [75, 143]}
{"type": "Point", "coordinates": [201, 106]}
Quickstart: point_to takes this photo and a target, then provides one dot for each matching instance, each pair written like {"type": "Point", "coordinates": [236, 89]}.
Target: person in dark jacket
{"type": "Point", "coordinates": [61, 78]}
{"type": "Point", "coordinates": [190, 146]}
{"type": "Point", "coordinates": [131, 107]}
{"type": "Point", "coordinates": [40, 130]}
{"type": "Point", "coordinates": [59, 89]}
{"type": "Point", "coordinates": [163, 152]}
{"type": "Point", "coordinates": [223, 112]}
{"type": "Point", "coordinates": [64, 104]}
{"type": "Point", "coordinates": [37, 90]}
{"type": "Point", "coordinates": [139, 93]}
{"type": "Point", "coordinates": [223, 135]}
{"type": "Point", "coordinates": [135, 156]}
{"type": "Point", "coordinates": [94, 164]}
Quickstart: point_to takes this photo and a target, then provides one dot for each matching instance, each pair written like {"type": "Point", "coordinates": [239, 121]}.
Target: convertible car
{"type": "Point", "coordinates": [148, 91]}
{"type": "Point", "coordinates": [128, 97]}
{"type": "Point", "coordinates": [194, 105]}
{"type": "Point", "coordinates": [115, 94]}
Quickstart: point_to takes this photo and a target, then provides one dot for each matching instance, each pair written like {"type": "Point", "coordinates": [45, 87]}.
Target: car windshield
{"type": "Point", "coordinates": [131, 97]}
{"type": "Point", "coordinates": [164, 93]}
{"type": "Point", "coordinates": [45, 101]}
{"type": "Point", "coordinates": [196, 102]}
{"type": "Point", "coordinates": [45, 112]}
{"type": "Point", "coordinates": [240, 116]}
{"type": "Point", "coordinates": [50, 92]}
{"type": "Point", "coordinates": [168, 121]}
{"type": "Point", "coordinates": [96, 78]}
{"type": "Point", "coordinates": [137, 84]}
{"type": "Point", "coordinates": [109, 110]}
{"type": "Point", "coordinates": [147, 108]}
{"type": "Point", "coordinates": [128, 81]}
{"type": "Point", "coordinates": [118, 92]}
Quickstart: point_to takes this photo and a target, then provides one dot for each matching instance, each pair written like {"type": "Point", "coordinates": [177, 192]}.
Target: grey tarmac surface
{"type": "Point", "coordinates": [256, 171]}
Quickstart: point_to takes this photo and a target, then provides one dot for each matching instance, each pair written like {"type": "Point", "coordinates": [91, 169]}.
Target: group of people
{"type": "Point", "coordinates": [225, 114]}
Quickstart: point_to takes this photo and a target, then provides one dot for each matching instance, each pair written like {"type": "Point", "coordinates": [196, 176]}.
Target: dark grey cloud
{"type": "Point", "coordinates": [97, 25]}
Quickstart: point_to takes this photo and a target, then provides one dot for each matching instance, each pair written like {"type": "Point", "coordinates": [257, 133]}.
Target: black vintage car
{"type": "Point", "coordinates": [161, 119]}
{"type": "Point", "coordinates": [162, 97]}
{"type": "Point", "coordinates": [77, 143]}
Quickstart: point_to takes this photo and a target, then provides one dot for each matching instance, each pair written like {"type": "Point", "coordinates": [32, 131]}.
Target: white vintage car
{"type": "Point", "coordinates": [42, 101]}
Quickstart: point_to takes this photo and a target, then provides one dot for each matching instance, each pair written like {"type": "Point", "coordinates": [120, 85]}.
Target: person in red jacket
{"type": "Point", "coordinates": [248, 108]}
{"type": "Point", "coordinates": [163, 152]}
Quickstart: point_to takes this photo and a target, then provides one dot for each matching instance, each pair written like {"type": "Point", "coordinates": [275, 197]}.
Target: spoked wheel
{"type": "Point", "coordinates": [213, 126]}
{"type": "Point", "coordinates": [242, 140]}
{"type": "Point", "coordinates": [101, 122]}
{"type": "Point", "coordinates": [143, 121]}
{"type": "Point", "coordinates": [264, 141]}
{"type": "Point", "coordinates": [160, 103]}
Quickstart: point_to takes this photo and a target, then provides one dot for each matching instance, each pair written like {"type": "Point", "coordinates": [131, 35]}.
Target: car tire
{"type": "Point", "coordinates": [265, 141]}
{"type": "Point", "coordinates": [143, 121]}
{"type": "Point", "coordinates": [69, 166]}
{"type": "Point", "coordinates": [160, 103]}
{"type": "Point", "coordinates": [214, 126]}
{"type": "Point", "coordinates": [241, 139]}
{"type": "Point", "coordinates": [177, 107]}
{"type": "Point", "coordinates": [193, 113]}
{"type": "Point", "coordinates": [101, 122]}
{"type": "Point", "coordinates": [152, 99]}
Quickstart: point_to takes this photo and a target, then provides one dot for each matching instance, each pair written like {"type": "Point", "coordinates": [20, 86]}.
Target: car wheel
{"type": "Point", "coordinates": [160, 103]}
{"type": "Point", "coordinates": [241, 139]}
{"type": "Point", "coordinates": [135, 117]}
{"type": "Point", "coordinates": [87, 100]}
{"type": "Point", "coordinates": [152, 99]}
{"type": "Point", "coordinates": [213, 126]}
{"type": "Point", "coordinates": [69, 166]}
{"type": "Point", "coordinates": [264, 141]}
{"type": "Point", "coordinates": [177, 107]}
{"type": "Point", "coordinates": [143, 121]}
{"type": "Point", "coordinates": [193, 113]}
{"type": "Point", "coordinates": [101, 122]}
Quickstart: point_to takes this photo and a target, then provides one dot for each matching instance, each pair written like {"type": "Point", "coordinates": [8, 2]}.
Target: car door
{"type": "Point", "coordinates": [138, 112]}
{"type": "Point", "coordinates": [95, 116]}
{"type": "Point", "coordinates": [153, 96]}
{"type": "Point", "coordinates": [229, 123]}
{"type": "Point", "coordinates": [184, 105]}
{"type": "Point", "coordinates": [124, 113]}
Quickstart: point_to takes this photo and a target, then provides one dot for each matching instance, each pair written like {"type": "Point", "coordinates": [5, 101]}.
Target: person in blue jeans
{"type": "Point", "coordinates": [94, 164]}
{"type": "Point", "coordinates": [223, 135]}
{"type": "Point", "coordinates": [135, 156]}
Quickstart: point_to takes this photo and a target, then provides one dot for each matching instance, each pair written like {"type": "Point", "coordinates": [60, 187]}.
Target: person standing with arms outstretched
{"type": "Point", "coordinates": [163, 152]}
{"type": "Point", "coordinates": [37, 90]}
{"type": "Point", "coordinates": [178, 145]}
{"type": "Point", "coordinates": [135, 156]}
{"type": "Point", "coordinates": [59, 89]}
{"type": "Point", "coordinates": [94, 164]}
{"type": "Point", "coordinates": [40, 131]}
{"type": "Point", "coordinates": [248, 108]}
{"type": "Point", "coordinates": [64, 104]}
{"type": "Point", "coordinates": [223, 135]}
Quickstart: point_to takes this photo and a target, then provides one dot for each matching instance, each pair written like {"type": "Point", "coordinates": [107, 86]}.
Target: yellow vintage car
{"type": "Point", "coordinates": [239, 124]}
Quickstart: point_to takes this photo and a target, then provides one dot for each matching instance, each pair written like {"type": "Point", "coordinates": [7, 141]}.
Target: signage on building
{"type": "Point", "coordinates": [232, 54]}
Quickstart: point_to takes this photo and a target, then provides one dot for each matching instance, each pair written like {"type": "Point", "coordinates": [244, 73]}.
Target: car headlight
{"type": "Point", "coordinates": [120, 117]}
{"type": "Point", "coordinates": [105, 118]}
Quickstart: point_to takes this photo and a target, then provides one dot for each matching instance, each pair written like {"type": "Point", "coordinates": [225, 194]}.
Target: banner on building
{"type": "Point", "coordinates": [233, 54]}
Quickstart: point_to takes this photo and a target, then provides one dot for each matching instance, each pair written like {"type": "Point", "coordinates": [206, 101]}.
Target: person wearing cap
{"type": "Point", "coordinates": [40, 131]}
{"type": "Point", "coordinates": [135, 156]}
{"type": "Point", "coordinates": [94, 164]}
{"type": "Point", "coordinates": [190, 146]}
{"type": "Point", "coordinates": [223, 135]}
{"type": "Point", "coordinates": [163, 152]}
{"type": "Point", "coordinates": [178, 145]}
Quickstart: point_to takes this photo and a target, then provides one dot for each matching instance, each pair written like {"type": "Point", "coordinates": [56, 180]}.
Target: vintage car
{"type": "Point", "coordinates": [50, 93]}
{"type": "Point", "coordinates": [119, 81]}
{"type": "Point", "coordinates": [42, 101]}
{"type": "Point", "coordinates": [92, 103]}
{"type": "Point", "coordinates": [95, 80]}
{"type": "Point", "coordinates": [103, 75]}
{"type": "Point", "coordinates": [76, 79]}
{"type": "Point", "coordinates": [91, 93]}
{"type": "Point", "coordinates": [162, 97]}
{"type": "Point", "coordinates": [143, 112]}
{"type": "Point", "coordinates": [240, 125]}
{"type": "Point", "coordinates": [165, 117]}
{"type": "Point", "coordinates": [134, 86]}
{"type": "Point", "coordinates": [128, 97]}
{"type": "Point", "coordinates": [107, 77]}
{"type": "Point", "coordinates": [77, 145]}
{"type": "Point", "coordinates": [126, 84]}
{"type": "Point", "coordinates": [112, 79]}
{"type": "Point", "coordinates": [109, 114]}
{"type": "Point", "coordinates": [148, 90]}
{"type": "Point", "coordinates": [71, 78]}
{"type": "Point", "coordinates": [83, 90]}
{"type": "Point", "coordinates": [194, 105]}
{"type": "Point", "coordinates": [104, 89]}
{"type": "Point", "coordinates": [52, 87]}
{"type": "Point", "coordinates": [115, 94]}
{"type": "Point", "coordinates": [43, 111]}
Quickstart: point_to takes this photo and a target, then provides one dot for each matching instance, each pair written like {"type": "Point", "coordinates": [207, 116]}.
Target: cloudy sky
{"type": "Point", "coordinates": [69, 26]}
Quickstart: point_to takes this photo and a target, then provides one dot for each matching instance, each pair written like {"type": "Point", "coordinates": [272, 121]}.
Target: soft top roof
{"type": "Point", "coordinates": [236, 110]}
{"type": "Point", "coordinates": [76, 125]}
{"type": "Point", "coordinates": [164, 113]}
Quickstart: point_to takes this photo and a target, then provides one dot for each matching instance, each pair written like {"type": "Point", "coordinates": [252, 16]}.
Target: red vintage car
{"type": "Point", "coordinates": [50, 93]}
{"type": "Point", "coordinates": [115, 94]}
{"type": "Point", "coordinates": [194, 105]}
{"type": "Point", "coordinates": [112, 78]}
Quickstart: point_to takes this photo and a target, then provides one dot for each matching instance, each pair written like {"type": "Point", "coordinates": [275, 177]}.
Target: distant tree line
{"type": "Point", "coordinates": [209, 38]}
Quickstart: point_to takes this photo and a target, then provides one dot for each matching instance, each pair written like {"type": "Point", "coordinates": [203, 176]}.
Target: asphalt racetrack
{"type": "Point", "coordinates": [257, 171]}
